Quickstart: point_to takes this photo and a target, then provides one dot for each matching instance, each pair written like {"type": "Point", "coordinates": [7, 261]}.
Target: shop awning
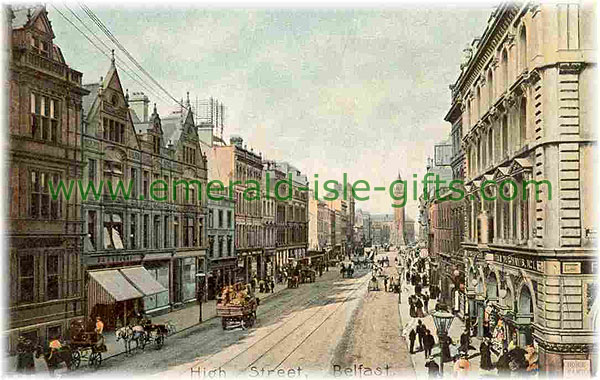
{"type": "Point", "coordinates": [143, 280]}
{"type": "Point", "coordinates": [115, 284]}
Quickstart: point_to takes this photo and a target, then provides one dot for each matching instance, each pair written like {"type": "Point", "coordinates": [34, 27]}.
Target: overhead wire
{"type": "Point", "coordinates": [131, 71]}
{"type": "Point", "coordinates": [108, 33]}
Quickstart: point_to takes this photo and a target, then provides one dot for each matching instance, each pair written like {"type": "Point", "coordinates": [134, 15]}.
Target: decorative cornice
{"type": "Point", "coordinates": [493, 112]}
{"type": "Point", "coordinates": [510, 39]}
{"type": "Point", "coordinates": [566, 347]}
{"type": "Point", "coordinates": [570, 67]}
{"type": "Point", "coordinates": [495, 63]}
{"type": "Point", "coordinates": [510, 100]}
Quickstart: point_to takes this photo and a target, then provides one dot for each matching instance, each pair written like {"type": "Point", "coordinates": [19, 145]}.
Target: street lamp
{"type": "Point", "coordinates": [200, 295]}
{"type": "Point", "coordinates": [442, 320]}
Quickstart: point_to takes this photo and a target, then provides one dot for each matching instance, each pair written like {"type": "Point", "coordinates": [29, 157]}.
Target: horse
{"type": "Point", "coordinates": [139, 335]}
{"type": "Point", "coordinates": [125, 333]}
{"type": "Point", "coordinates": [54, 358]}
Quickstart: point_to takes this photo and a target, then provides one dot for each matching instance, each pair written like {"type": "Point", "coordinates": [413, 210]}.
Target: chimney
{"type": "Point", "coordinates": [138, 102]}
{"type": "Point", "coordinates": [236, 140]}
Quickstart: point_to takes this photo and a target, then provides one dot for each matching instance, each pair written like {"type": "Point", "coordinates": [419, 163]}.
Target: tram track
{"type": "Point", "coordinates": [315, 300]}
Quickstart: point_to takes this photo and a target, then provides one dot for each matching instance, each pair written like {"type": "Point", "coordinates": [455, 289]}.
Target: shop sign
{"type": "Point", "coordinates": [524, 263]}
{"type": "Point", "coordinates": [113, 259]}
{"type": "Point", "coordinates": [571, 268]}
{"type": "Point", "coordinates": [575, 369]}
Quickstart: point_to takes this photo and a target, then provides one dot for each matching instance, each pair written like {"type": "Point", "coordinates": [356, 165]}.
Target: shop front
{"type": "Point", "coordinates": [116, 295]}
{"type": "Point", "coordinates": [159, 270]}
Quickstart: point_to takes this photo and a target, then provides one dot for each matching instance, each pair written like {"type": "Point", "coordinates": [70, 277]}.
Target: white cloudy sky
{"type": "Point", "coordinates": [359, 91]}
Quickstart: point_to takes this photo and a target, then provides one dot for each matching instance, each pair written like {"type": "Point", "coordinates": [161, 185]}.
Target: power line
{"type": "Point", "coordinates": [151, 91]}
{"type": "Point", "coordinates": [106, 31]}
{"type": "Point", "coordinates": [93, 43]}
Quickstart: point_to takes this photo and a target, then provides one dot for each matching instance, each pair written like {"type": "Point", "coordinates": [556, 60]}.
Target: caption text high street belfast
{"type": "Point", "coordinates": [206, 193]}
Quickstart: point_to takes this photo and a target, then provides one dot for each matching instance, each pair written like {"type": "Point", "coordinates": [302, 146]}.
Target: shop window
{"type": "Point", "coordinates": [52, 277]}
{"type": "Point", "coordinates": [91, 225]}
{"type": "Point", "coordinates": [26, 278]}
{"type": "Point", "coordinates": [113, 231]}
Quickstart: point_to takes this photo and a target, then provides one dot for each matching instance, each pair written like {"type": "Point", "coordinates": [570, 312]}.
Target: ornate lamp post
{"type": "Point", "coordinates": [443, 321]}
{"type": "Point", "coordinates": [200, 294]}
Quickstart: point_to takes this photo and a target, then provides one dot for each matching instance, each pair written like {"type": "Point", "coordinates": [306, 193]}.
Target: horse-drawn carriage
{"type": "Point", "coordinates": [347, 271]}
{"type": "Point", "coordinates": [293, 281]}
{"type": "Point", "coordinates": [308, 275]}
{"type": "Point", "coordinates": [238, 315]}
{"type": "Point", "coordinates": [85, 344]}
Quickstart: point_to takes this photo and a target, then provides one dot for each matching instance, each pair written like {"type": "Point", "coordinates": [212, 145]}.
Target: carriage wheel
{"type": "Point", "coordinates": [75, 359]}
{"type": "Point", "coordinates": [95, 359]}
{"type": "Point", "coordinates": [142, 341]}
{"type": "Point", "coordinates": [160, 341]}
{"type": "Point", "coordinates": [224, 323]}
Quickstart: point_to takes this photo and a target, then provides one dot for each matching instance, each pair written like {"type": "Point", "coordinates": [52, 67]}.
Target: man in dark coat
{"type": "Point", "coordinates": [421, 333]}
{"type": "Point", "coordinates": [486, 358]}
{"type": "Point", "coordinates": [25, 350]}
{"type": "Point", "coordinates": [433, 369]}
{"type": "Point", "coordinates": [428, 342]}
{"type": "Point", "coordinates": [412, 336]}
{"type": "Point", "coordinates": [464, 341]}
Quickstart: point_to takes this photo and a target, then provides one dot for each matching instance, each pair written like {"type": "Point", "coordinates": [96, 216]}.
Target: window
{"type": "Point", "coordinates": [41, 205]}
{"type": "Point", "coordinates": [134, 183]}
{"type": "Point", "coordinates": [200, 232]}
{"type": "Point", "coordinates": [156, 231]}
{"type": "Point", "coordinates": [45, 116]}
{"type": "Point", "coordinates": [220, 246]}
{"type": "Point", "coordinates": [523, 49]}
{"type": "Point", "coordinates": [132, 231]}
{"type": "Point", "coordinates": [504, 132]}
{"type": "Point", "coordinates": [145, 227]}
{"type": "Point", "coordinates": [229, 246]}
{"type": "Point", "coordinates": [220, 218]}
{"type": "Point", "coordinates": [113, 130]}
{"type": "Point", "coordinates": [156, 143]}
{"type": "Point", "coordinates": [92, 223]}
{"type": "Point", "coordinates": [490, 84]}
{"type": "Point", "coordinates": [52, 277]}
{"type": "Point", "coordinates": [166, 232]}
{"type": "Point", "coordinates": [211, 241]}
{"type": "Point", "coordinates": [230, 219]}
{"type": "Point", "coordinates": [146, 184]}
{"type": "Point", "coordinates": [113, 231]}
{"type": "Point", "coordinates": [523, 120]}
{"type": "Point", "coordinates": [504, 65]}
{"type": "Point", "coordinates": [490, 146]}
{"type": "Point", "coordinates": [210, 218]}
{"type": "Point", "coordinates": [176, 231]}
{"type": "Point", "coordinates": [188, 232]}
{"type": "Point", "coordinates": [92, 170]}
{"type": "Point", "coordinates": [26, 278]}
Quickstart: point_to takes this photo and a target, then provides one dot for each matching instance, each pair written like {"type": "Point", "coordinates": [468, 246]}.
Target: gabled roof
{"type": "Point", "coordinates": [88, 100]}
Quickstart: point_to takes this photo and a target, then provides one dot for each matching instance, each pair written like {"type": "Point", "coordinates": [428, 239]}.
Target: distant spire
{"type": "Point", "coordinates": [188, 99]}
{"type": "Point", "coordinates": [155, 109]}
{"type": "Point", "coordinates": [127, 95]}
{"type": "Point", "coordinates": [112, 57]}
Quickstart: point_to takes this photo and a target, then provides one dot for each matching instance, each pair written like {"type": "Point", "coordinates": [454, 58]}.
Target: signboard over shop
{"type": "Point", "coordinates": [576, 369]}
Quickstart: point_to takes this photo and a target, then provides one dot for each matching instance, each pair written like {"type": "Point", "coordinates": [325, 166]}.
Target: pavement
{"type": "Point", "coordinates": [456, 329]}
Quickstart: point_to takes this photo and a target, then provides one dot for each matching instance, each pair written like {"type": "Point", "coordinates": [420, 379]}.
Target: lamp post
{"type": "Point", "coordinates": [442, 320]}
{"type": "Point", "coordinates": [200, 294]}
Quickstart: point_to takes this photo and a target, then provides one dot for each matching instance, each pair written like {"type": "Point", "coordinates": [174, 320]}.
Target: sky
{"type": "Point", "coordinates": [332, 91]}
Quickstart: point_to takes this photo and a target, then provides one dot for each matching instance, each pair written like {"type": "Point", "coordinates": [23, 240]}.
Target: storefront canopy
{"type": "Point", "coordinates": [143, 280]}
{"type": "Point", "coordinates": [115, 284]}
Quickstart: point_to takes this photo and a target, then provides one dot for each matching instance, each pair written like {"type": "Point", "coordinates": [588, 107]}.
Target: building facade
{"type": "Point", "coordinates": [158, 225]}
{"type": "Point", "coordinates": [44, 277]}
{"type": "Point", "coordinates": [526, 96]}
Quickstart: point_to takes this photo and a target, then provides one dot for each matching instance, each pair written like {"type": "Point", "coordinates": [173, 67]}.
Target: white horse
{"type": "Point", "coordinates": [125, 333]}
{"type": "Point", "coordinates": [139, 335]}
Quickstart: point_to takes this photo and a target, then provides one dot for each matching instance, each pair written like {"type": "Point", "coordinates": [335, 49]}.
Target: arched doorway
{"type": "Point", "coordinates": [524, 314]}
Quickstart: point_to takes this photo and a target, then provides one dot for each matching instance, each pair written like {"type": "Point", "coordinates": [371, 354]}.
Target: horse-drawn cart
{"type": "Point", "coordinates": [308, 275]}
{"type": "Point", "coordinates": [293, 281]}
{"type": "Point", "coordinates": [85, 344]}
{"type": "Point", "coordinates": [238, 315]}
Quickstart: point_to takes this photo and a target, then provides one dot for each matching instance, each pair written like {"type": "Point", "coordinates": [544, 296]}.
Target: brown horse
{"type": "Point", "coordinates": [54, 358]}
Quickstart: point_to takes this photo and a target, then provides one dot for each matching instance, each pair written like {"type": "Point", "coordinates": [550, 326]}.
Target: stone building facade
{"type": "Point", "coordinates": [159, 226]}
{"type": "Point", "coordinates": [526, 96]}
{"type": "Point", "coordinates": [44, 277]}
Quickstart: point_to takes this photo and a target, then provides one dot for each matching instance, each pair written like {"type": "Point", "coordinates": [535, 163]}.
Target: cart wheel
{"type": "Point", "coordinates": [142, 341]}
{"type": "Point", "coordinates": [160, 342]}
{"type": "Point", "coordinates": [75, 359]}
{"type": "Point", "coordinates": [95, 359]}
{"type": "Point", "coordinates": [224, 323]}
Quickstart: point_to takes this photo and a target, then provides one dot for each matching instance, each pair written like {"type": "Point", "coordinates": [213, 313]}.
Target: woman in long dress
{"type": "Point", "coordinates": [419, 306]}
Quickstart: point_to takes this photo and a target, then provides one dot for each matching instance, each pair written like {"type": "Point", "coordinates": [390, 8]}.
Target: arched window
{"type": "Point", "coordinates": [490, 84]}
{"type": "Point", "coordinates": [504, 66]}
{"type": "Point", "coordinates": [523, 49]}
{"type": "Point", "coordinates": [478, 99]}
{"type": "Point", "coordinates": [504, 132]}
{"type": "Point", "coordinates": [523, 120]}
{"type": "Point", "coordinates": [490, 146]}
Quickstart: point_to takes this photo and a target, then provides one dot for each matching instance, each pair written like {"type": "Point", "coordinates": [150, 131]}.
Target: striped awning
{"type": "Point", "coordinates": [115, 284]}
{"type": "Point", "coordinates": [143, 280]}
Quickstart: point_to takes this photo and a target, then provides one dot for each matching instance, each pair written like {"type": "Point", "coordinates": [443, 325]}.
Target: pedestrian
{"type": "Point", "coordinates": [25, 362]}
{"type": "Point", "coordinates": [407, 276]}
{"type": "Point", "coordinates": [461, 367]}
{"type": "Point", "coordinates": [419, 307]}
{"type": "Point", "coordinates": [385, 283]}
{"type": "Point", "coordinates": [465, 341]}
{"type": "Point", "coordinates": [421, 333]}
{"type": "Point", "coordinates": [261, 286]}
{"type": "Point", "coordinates": [486, 358]}
{"type": "Point", "coordinates": [428, 342]}
{"type": "Point", "coordinates": [412, 310]}
{"type": "Point", "coordinates": [412, 336]}
{"type": "Point", "coordinates": [426, 302]}
{"type": "Point", "coordinates": [433, 369]}
{"type": "Point", "coordinates": [272, 285]}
